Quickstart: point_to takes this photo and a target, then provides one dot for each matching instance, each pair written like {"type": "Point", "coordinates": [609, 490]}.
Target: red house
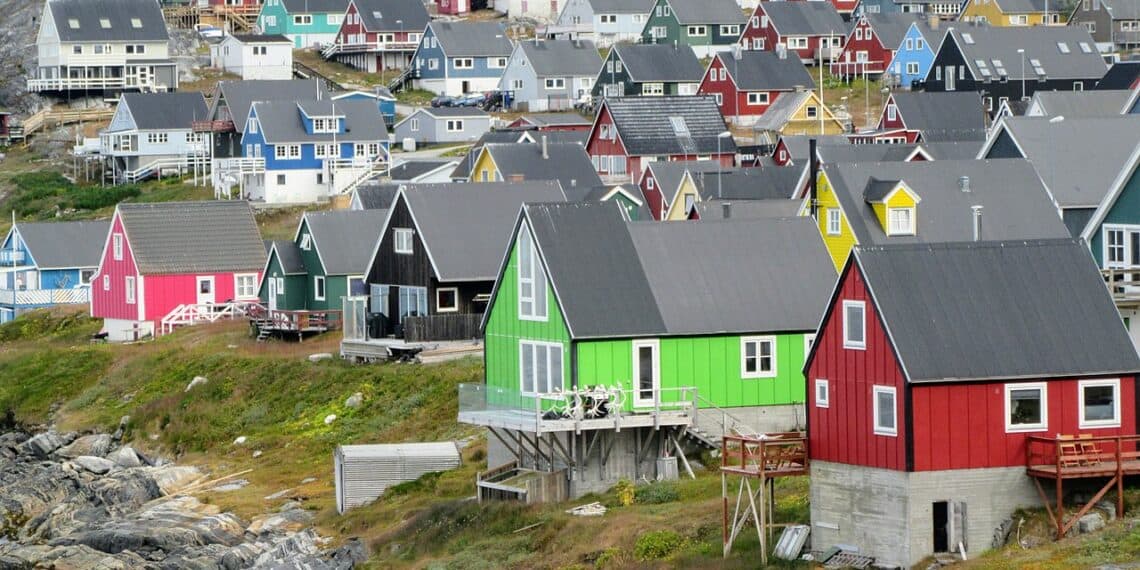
{"type": "Point", "coordinates": [802, 28]}
{"type": "Point", "coordinates": [630, 132]}
{"type": "Point", "coordinates": [376, 35]}
{"type": "Point", "coordinates": [871, 44]}
{"type": "Point", "coordinates": [169, 263]}
{"type": "Point", "coordinates": [934, 116]}
{"type": "Point", "coordinates": [746, 83]}
{"type": "Point", "coordinates": [940, 372]}
{"type": "Point", "coordinates": [453, 7]}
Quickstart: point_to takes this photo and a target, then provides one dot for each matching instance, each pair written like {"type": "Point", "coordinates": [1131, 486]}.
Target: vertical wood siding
{"type": "Point", "coordinates": [113, 304]}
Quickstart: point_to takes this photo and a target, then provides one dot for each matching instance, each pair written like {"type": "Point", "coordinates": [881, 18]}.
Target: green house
{"type": "Point", "coordinates": [307, 23]}
{"type": "Point", "coordinates": [643, 334]}
{"type": "Point", "coordinates": [708, 26]}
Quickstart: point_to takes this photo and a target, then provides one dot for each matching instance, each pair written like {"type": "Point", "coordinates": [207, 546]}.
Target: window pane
{"type": "Point", "coordinates": [527, 367]}
{"type": "Point", "coordinates": [854, 324]}
{"type": "Point", "coordinates": [1025, 406]}
{"type": "Point", "coordinates": [1099, 402]}
{"type": "Point", "coordinates": [886, 404]}
{"type": "Point", "coordinates": [645, 371]}
{"type": "Point", "coordinates": [766, 356]}
{"type": "Point", "coordinates": [539, 293]}
{"type": "Point", "coordinates": [555, 369]}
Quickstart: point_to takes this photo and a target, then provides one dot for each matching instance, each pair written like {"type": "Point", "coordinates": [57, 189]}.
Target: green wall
{"type": "Point", "coordinates": [295, 290]}
{"type": "Point", "coordinates": [1125, 211]}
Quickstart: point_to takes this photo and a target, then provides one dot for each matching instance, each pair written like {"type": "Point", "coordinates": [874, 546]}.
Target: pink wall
{"type": "Point", "coordinates": [112, 303]}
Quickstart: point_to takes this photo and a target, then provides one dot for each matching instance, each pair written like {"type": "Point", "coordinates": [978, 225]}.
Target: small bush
{"type": "Point", "coordinates": [625, 492]}
{"type": "Point", "coordinates": [658, 544]}
{"type": "Point", "coordinates": [656, 494]}
{"type": "Point", "coordinates": [96, 198]}
{"type": "Point", "coordinates": [426, 482]}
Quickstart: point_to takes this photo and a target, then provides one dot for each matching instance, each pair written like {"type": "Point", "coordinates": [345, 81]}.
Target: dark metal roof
{"type": "Point", "coordinates": [64, 245]}
{"type": "Point", "coordinates": [375, 195]}
{"type": "Point", "coordinates": [281, 121]}
{"type": "Point", "coordinates": [1081, 104]}
{"type": "Point", "coordinates": [289, 256]}
{"type": "Point", "coordinates": [890, 27]}
{"type": "Point", "coordinates": [645, 124]}
{"type": "Point", "coordinates": [262, 39]}
{"type": "Point", "coordinates": [121, 17]}
{"type": "Point", "coordinates": [806, 18]}
{"type": "Point", "coordinates": [660, 63]}
{"type": "Point", "coordinates": [193, 237]}
{"type": "Point", "coordinates": [345, 238]}
{"type": "Point", "coordinates": [667, 175]}
{"type": "Point", "coordinates": [1122, 75]}
{"type": "Point", "coordinates": [707, 12]}
{"type": "Point", "coordinates": [622, 6]}
{"type": "Point", "coordinates": [773, 183]}
{"type": "Point", "coordinates": [556, 119]}
{"type": "Point", "coordinates": [315, 6]}
{"type": "Point", "coordinates": [1040, 43]}
{"type": "Point", "coordinates": [562, 57]}
{"type": "Point", "coordinates": [472, 38]}
{"type": "Point", "coordinates": [392, 15]}
{"type": "Point", "coordinates": [952, 115]}
{"type": "Point", "coordinates": [997, 310]}
{"type": "Point", "coordinates": [409, 170]}
{"type": "Point", "coordinates": [766, 71]}
{"type": "Point", "coordinates": [161, 111]}
{"type": "Point", "coordinates": [239, 95]}
{"type": "Point", "coordinates": [567, 163]}
{"type": "Point", "coordinates": [748, 209]}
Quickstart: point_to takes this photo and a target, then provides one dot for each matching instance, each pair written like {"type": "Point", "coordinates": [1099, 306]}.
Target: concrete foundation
{"type": "Point", "coordinates": [891, 514]}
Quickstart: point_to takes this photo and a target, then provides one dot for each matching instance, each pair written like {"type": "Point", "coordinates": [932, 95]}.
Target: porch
{"type": "Point", "coordinates": [1073, 458]}
{"type": "Point", "coordinates": [34, 298]}
{"type": "Point", "coordinates": [362, 325]}
{"type": "Point", "coordinates": [268, 322]}
{"type": "Point", "coordinates": [1123, 284]}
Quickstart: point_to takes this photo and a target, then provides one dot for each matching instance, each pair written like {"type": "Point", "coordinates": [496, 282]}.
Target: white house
{"type": "Point", "coordinates": [606, 22]}
{"type": "Point", "coordinates": [546, 11]}
{"type": "Point", "coordinates": [550, 75]}
{"type": "Point", "coordinates": [117, 45]}
{"type": "Point", "coordinates": [151, 133]}
{"type": "Point", "coordinates": [254, 56]}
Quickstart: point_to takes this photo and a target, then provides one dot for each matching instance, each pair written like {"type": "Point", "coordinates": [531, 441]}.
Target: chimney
{"type": "Point", "coordinates": [977, 210]}
{"type": "Point", "coordinates": [813, 173]}
{"type": "Point", "coordinates": [516, 178]}
{"type": "Point", "coordinates": [726, 210]}
{"type": "Point", "coordinates": [736, 52]}
{"type": "Point", "coordinates": [933, 20]}
{"type": "Point", "coordinates": [964, 183]}
{"type": "Point", "coordinates": [573, 182]}
{"type": "Point", "coordinates": [782, 51]}
{"type": "Point", "coordinates": [545, 150]}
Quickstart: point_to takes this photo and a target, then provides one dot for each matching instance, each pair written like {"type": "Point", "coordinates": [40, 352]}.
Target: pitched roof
{"type": "Point", "coordinates": [1041, 44]}
{"type": "Point", "coordinates": [471, 38]}
{"type": "Point", "coordinates": [121, 17]}
{"type": "Point", "coordinates": [667, 174]}
{"type": "Point", "coordinates": [239, 95]}
{"type": "Point", "coordinates": [315, 6]}
{"type": "Point", "coordinates": [805, 18]}
{"type": "Point", "coordinates": [161, 111]}
{"type": "Point", "coordinates": [556, 119]}
{"type": "Point", "coordinates": [1122, 75]}
{"type": "Point", "coordinates": [64, 245]}
{"type": "Point", "coordinates": [562, 57]}
{"type": "Point", "coordinates": [616, 278]}
{"type": "Point", "coordinates": [622, 6]}
{"type": "Point", "coordinates": [952, 150]}
{"type": "Point", "coordinates": [1122, 9]}
{"type": "Point", "coordinates": [345, 238]}
{"type": "Point", "coordinates": [942, 116]}
{"type": "Point", "coordinates": [766, 71]}
{"type": "Point", "coordinates": [891, 27]}
{"type": "Point", "coordinates": [933, 36]}
{"type": "Point", "coordinates": [567, 163]}
{"type": "Point", "coordinates": [846, 152]}
{"type": "Point", "coordinates": [707, 12]}
{"type": "Point", "coordinates": [797, 145]}
{"type": "Point", "coordinates": [281, 121]}
{"type": "Point", "coordinates": [193, 237]}
{"type": "Point", "coordinates": [376, 195]}
{"type": "Point", "coordinates": [438, 112]}
{"type": "Point", "coordinates": [385, 15]}
{"type": "Point", "coordinates": [997, 310]}
{"type": "Point", "coordinates": [748, 209]}
{"type": "Point", "coordinates": [465, 226]}
{"type": "Point", "coordinates": [646, 124]}
{"type": "Point", "coordinates": [660, 63]}
{"type": "Point", "coordinates": [1080, 104]}
{"type": "Point", "coordinates": [1077, 159]}
{"type": "Point", "coordinates": [1020, 6]}
{"type": "Point", "coordinates": [1014, 203]}
{"type": "Point", "coordinates": [261, 39]}
{"type": "Point", "coordinates": [780, 112]}
{"type": "Point", "coordinates": [289, 256]}
{"type": "Point", "coordinates": [773, 183]}
{"type": "Point", "coordinates": [409, 170]}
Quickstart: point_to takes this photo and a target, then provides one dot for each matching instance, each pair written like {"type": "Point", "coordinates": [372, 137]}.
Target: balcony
{"type": "Point", "coordinates": [91, 83]}
{"type": "Point", "coordinates": [1124, 285]}
{"type": "Point", "coordinates": [10, 258]}
{"type": "Point", "coordinates": [26, 298]}
{"type": "Point", "coordinates": [587, 409]}
{"type": "Point", "coordinates": [368, 47]}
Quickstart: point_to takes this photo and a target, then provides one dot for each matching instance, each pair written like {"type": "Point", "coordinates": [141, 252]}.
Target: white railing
{"type": "Point", "coordinates": [613, 404]}
{"type": "Point", "coordinates": [198, 313]}
{"type": "Point", "coordinates": [360, 47]}
{"type": "Point", "coordinates": [346, 174]}
{"type": "Point", "coordinates": [44, 297]}
{"type": "Point", "coordinates": [228, 172]}
{"type": "Point", "coordinates": [10, 257]}
{"type": "Point", "coordinates": [65, 83]}
{"type": "Point", "coordinates": [158, 166]}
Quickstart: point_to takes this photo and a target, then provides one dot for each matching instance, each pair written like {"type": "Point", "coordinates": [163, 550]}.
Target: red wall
{"type": "Point", "coordinates": [878, 57]}
{"type": "Point", "coordinates": [843, 432]}
{"type": "Point", "coordinates": [734, 103]}
{"type": "Point", "coordinates": [772, 36]}
{"type": "Point", "coordinates": [452, 6]}
{"type": "Point", "coordinates": [165, 292]}
{"type": "Point", "coordinates": [598, 147]}
{"type": "Point", "coordinates": [653, 198]}
{"type": "Point", "coordinates": [113, 304]}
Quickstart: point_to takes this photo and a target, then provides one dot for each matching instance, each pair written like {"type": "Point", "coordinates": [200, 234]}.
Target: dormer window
{"type": "Point", "coordinates": [73, 23]}
{"type": "Point", "coordinates": [325, 125]}
{"type": "Point", "coordinates": [136, 23]}
{"type": "Point", "coordinates": [900, 221]}
{"type": "Point", "coordinates": [104, 23]}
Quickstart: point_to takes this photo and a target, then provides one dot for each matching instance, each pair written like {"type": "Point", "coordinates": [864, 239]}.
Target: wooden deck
{"type": "Point", "coordinates": [1062, 458]}
{"type": "Point", "coordinates": [760, 458]}
{"type": "Point", "coordinates": [524, 420]}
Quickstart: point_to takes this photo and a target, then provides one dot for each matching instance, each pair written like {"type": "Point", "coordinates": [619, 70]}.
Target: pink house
{"type": "Point", "coordinates": [159, 259]}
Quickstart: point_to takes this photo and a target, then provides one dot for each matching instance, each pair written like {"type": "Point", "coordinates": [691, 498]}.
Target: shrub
{"type": "Point", "coordinates": [656, 494]}
{"type": "Point", "coordinates": [96, 198]}
{"type": "Point", "coordinates": [657, 544]}
{"type": "Point", "coordinates": [625, 492]}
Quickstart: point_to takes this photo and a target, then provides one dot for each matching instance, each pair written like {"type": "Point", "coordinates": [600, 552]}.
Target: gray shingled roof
{"type": "Point", "coordinates": [345, 238]}
{"type": "Point", "coordinates": [806, 18]}
{"type": "Point", "coordinates": [315, 6]}
{"type": "Point", "coordinates": [472, 38]}
{"type": "Point", "coordinates": [383, 15]}
{"type": "Point", "coordinates": [890, 27]}
{"type": "Point", "coordinates": [281, 121]}
{"type": "Point", "coordinates": [1123, 9]}
{"type": "Point", "coordinates": [120, 14]}
{"type": "Point", "coordinates": [557, 119]}
{"type": "Point", "coordinates": [1039, 42]}
{"type": "Point", "coordinates": [410, 169]}
{"type": "Point", "coordinates": [567, 163]}
{"type": "Point", "coordinates": [993, 310]}
{"type": "Point", "coordinates": [1081, 104]}
{"type": "Point", "coordinates": [64, 245]}
{"type": "Point", "coordinates": [798, 145]}
{"type": "Point", "coordinates": [239, 95]}
{"type": "Point", "coordinates": [781, 111]}
{"type": "Point", "coordinates": [193, 237]}
{"type": "Point", "coordinates": [622, 6]}
{"type": "Point", "coordinates": [376, 195]}
{"type": "Point", "coordinates": [465, 226]}
{"type": "Point", "coordinates": [951, 115]}
{"type": "Point", "coordinates": [1015, 203]}
{"type": "Point", "coordinates": [659, 63]}
{"type": "Point", "coordinates": [707, 12]}
{"type": "Point", "coordinates": [562, 57]}
{"type": "Point", "coordinates": [766, 71]}
{"type": "Point", "coordinates": [667, 175]}
{"type": "Point", "coordinates": [749, 209]}
{"type": "Point", "coordinates": [773, 183]}
{"type": "Point", "coordinates": [289, 255]}
{"type": "Point", "coordinates": [454, 112]}
{"type": "Point", "coordinates": [615, 278]}
{"type": "Point", "coordinates": [1078, 159]}
{"type": "Point", "coordinates": [162, 111]}
{"type": "Point", "coordinates": [645, 126]}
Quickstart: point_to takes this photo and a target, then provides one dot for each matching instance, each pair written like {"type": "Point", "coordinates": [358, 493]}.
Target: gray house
{"type": "Point", "coordinates": [1110, 21]}
{"type": "Point", "coordinates": [550, 75]}
{"type": "Point", "coordinates": [152, 132]}
{"type": "Point", "coordinates": [649, 69]}
{"type": "Point", "coordinates": [443, 125]}
{"type": "Point", "coordinates": [606, 22]}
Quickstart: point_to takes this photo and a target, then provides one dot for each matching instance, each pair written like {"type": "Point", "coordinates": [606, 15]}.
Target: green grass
{"type": "Point", "coordinates": [414, 96]}
{"type": "Point", "coordinates": [46, 194]}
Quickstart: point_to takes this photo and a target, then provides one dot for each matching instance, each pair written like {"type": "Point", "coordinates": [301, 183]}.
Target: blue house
{"type": "Point", "coordinates": [915, 53]}
{"type": "Point", "coordinates": [48, 263]}
{"type": "Point", "coordinates": [382, 97]}
{"type": "Point", "coordinates": [456, 58]}
{"type": "Point", "coordinates": [296, 152]}
{"type": "Point", "coordinates": [944, 9]}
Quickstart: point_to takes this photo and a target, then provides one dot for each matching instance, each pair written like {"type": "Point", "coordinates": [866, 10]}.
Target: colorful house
{"type": "Point", "coordinates": [552, 122]}
{"type": "Point", "coordinates": [910, 117]}
{"type": "Point", "coordinates": [562, 325]}
{"type": "Point", "coordinates": [567, 163]}
{"type": "Point", "coordinates": [1003, 13]}
{"type": "Point", "coordinates": [940, 9]}
{"type": "Point", "coordinates": [648, 69]}
{"type": "Point", "coordinates": [746, 83]}
{"type": "Point", "coordinates": [1109, 21]}
{"type": "Point", "coordinates": [920, 435]}
{"type": "Point", "coordinates": [552, 75]}
{"type": "Point", "coordinates": [48, 264]}
{"type": "Point", "coordinates": [606, 22]}
{"type": "Point", "coordinates": [915, 54]}
{"type": "Point", "coordinates": [169, 264]}
{"type": "Point", "coordinates": [811, 30]}
{"type": "Point", "coordinates": [871, 44]}
{"type": "Point", "coordinates": [457, 58]}
{"type": "Point", "coordinates": [798, 113]}
{"type": "Point", "coordinates": [307, 23]}
{"type": "Point", "coordinates": [707, 26]}
{"type": "Point", "coordinates": [254, 56]}
{"type": "Point", "coordinates": [660, 183]}
{"type": "Point", "coordinates": [443, 125]}
{"type": "Point", "coordinates": [151, 133]}
{"type": "Point", "coordinates": [380, 96]}
{"type": "Point", "coordinates": [230, 104]}
{"type": "Point", "coordinates": [377, 35]}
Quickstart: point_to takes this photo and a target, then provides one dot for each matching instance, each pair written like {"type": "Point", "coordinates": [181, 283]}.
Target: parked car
{"type": "Point", "coordinates": [444, 101]}
{"type": "Point", "coordinates": [206, 31]}
{"type": "Point", "coordinates": [493, 101]}
{"type": "Point", "coordinates": [471, 100]}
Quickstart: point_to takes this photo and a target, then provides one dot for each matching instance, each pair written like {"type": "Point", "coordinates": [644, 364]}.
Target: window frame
{"type": "Point", "coordinates": [758, 98]}
{"type": "Point", "coordinates": [405, 236]}
{"type": "Point", "coordinates": [809, 342]}
{"type": "Point", "coordinates": [454, 125]}
{"type": "Point", "coordinates": [759, 372]}
{"type": "Point", "coordinates": [117, 246]}
{"type": "Point", "coordinates": [1043, 393]}
{"type": "Point", "coordinates": [252, 285]}
{"type": "Point", "coordinates": [834, 221]}
{"type": "Point", "coordinates": [876, 426]}
{"type": "Point", "coordinates": [909, 230]}
{"type": "Point", "coordinates": [106, 282]}
{"type": "Point", "coordinates": [454, 308]}
{"type": "Point", "coordinates": [849, 343]}
{"type": "Point", "coordinates": [696, 30]}
{"type": "Point", "coordinates": [130, 293]}
{"type": "Point", "coordinates": [1083, 423]}
{"type": "Point", "coordinates": [535, 276]}
{"type": "Point", "coordinates": [825, 401]}
{"type": "Point", "coordinates": [319, 287]}
{"type": "Point", "coordinates": [554, 82]}
{"type": "Point", "coordinates": [549, 388]}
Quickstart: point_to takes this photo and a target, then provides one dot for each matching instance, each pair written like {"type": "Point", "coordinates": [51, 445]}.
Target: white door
{"type": "Point", "coordinates": [272, 293]}
{"type": "Point", "coordinates": [646, 373]}
{"type": "Point", "coordinates": [205, 290]}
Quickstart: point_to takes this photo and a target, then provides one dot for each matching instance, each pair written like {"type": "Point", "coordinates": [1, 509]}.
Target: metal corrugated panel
{"type": "Point", "coordinates": [365, 471]}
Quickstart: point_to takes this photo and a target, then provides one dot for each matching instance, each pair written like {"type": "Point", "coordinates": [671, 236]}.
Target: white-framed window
{"type": "Point", "coordinates": [822, 393]}
{"type": "Point", "coordinates": [106, 282]}
{"type": "Point", "coordinates": [758, 357]}
{"type": "Point", "coordinates": [730, 29]}
{"type": "Point", "coordinates": [812, 111]}
{"type": "Point", "coordinates": [463, 63]}
{"type": "Point", "coordinates": [496, 62]}
{"type": "Point", "coordinates": [555, 83]}
{"type": "Point", "coordinates": [797, 42]}
{"type": "Point", "coordinates": [129, 284]}
{"type": "Point", "coordinates": [531, 280]}
{"type": "Point", "coordinates": [1116, 246]}
{"type": "Point", "coordinates": [892, 112]}
{"type": "Point", "coordinates": [1099, 402]}
{"type": "Point", "coordinates": [516, 84]}
{"type": "Point", "coordinates": [652, 88]}
{"type": "Point", "coordinates": [447, 300]}
{"type": "Point", "coordinates": [402, 241]}
{"type": "Point", "coordinates": [854, 324]}
{"type": "Point", "coordinates": [919, 44]}
{"type": "Point", "coordinates": [834, 221]}
{"type": "Point", "coordinates": [251, 124]}
{"type": "Point", "coordinates": [859, 33]}
{"type": "Point", "coordinates": [1019, 19]}
{"type": "Point", "coordinates": [719, 98]}
{"type": "Point", "coordinates": [809, 341]}
{"type": "Point", "coordinates": [306, 242]}
{"type": "Point", "coordinates": [245, 285]}
{"type": "Point", "coordinates": [319, 287]}
{"type": "Point", "coordinates": [697, 31]}
{"type": "Point", "coordinates": [912, 68]}
{"type": "Point", "coordinates": [302, 19]}
{"type": "Point", "coordinates": [1026, 407]}
{"type": "Point", "coordinates": [433, 63]}
{"type": "Point", "coordinates": [334, 19]}
{"type": "Point", "coordinates": [117, 246]}
{"type": "Point", "coordinates": [758, 43]}
{"type": "Point", "coordinates": [909, 44]}
{"type": "Point", "coordinates": [279, 151]}
{"type": "Point", "coordinates": [900, 221]}
{"type": "Point", "coordinates": [607, 18]}
{"type": "Point", "coordinates": [280, 285]}
{"type": "Point", "coordinates": [885, 411]}
{"type": "Point", "coordinates": [454, 125]}
{"type": "Point", "coordinates": [723, 74]}
{"type": "Point", "coordinates": [414, 123]}
{"type": "Point", "coordinates": [758, 98]}
{"type": "Point", "coordinates": [540, 367]}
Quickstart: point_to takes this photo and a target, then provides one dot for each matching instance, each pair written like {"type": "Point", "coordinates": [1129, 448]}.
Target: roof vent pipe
{"type": "Point", "coordinates": [977, 210]}
{"type": "Point", "coordinates": [726, 210]}
{"type": "Point", "coordinates": [545, 150]}
{"type": "Point", "coordinates": [964, 183]}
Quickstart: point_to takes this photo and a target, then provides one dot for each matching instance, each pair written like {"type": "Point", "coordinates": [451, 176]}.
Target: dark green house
{"type": "Point", "coordinates": [707, 26]}
{"type": "Point", "coordinates": [649, 69]}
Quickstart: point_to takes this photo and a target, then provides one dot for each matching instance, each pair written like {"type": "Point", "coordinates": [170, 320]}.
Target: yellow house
{"type": "Point", "coordinates": [1013, 12]}
{"type": "Point", "coordinates": [485, 169]}
{"type": "Point", "coordinates": [687, 196]}
{"type": "Point", "coordinates": [799, 113]}
{"type": "Point", "coordinates": [566, 162]}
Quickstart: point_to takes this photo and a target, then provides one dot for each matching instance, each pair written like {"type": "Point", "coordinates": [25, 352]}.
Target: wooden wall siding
{"type": "Point", "coordinates": [391, 268]}
{"type": "Point", "coordinates": [449, 326]}
{"type": "Point", "coordinates": [839, 246]}
{"type": "Point", "coordinates": [296, 288]}
{"type": "Point", "coordinates": [959, 426]}
{"type": "Point", "coordinates": [1004, 147]}
{"type": "Point", "coordinates": [844, 431]}
{"type": "Point", "coordinates": [1125, 211]}
{"type": "Point", "coordinates": [598, 147]}
{"type": "Point", "coordinates": [113, 304]}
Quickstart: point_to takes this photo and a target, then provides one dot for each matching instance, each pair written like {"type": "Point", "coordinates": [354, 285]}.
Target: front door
{"type": "Point", "coordinates": [205, 290]}
{"type": "Point", "coordinates": [466, 87]}
{"type": "Point", "coordinates": [646, 373]}
{"type": "Point", "coordinates": [272, 293]}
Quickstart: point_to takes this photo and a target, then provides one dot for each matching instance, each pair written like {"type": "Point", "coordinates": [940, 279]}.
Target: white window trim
{"type": "Point", "coordinates": [322, 288]}
{"type": "Point", "coordinates": [848, 343]}
{"type": "Point", "coordinates": [809, 341]}
{"type": "Point", "coordinates": [909, 231]}
{"type": "Point", "coordinates": [758, 98]}
{"type": "Point", "coordinates": [106, 282]}
{"type": "Point", "coordinates": [396, 233]}
{"type": "Point", "coordinates": [744, 341]}
{"type": "Point", "coordinates": [130, 292]}
{"type": "Point", "coordinates": [825, 401]}
{"type": "Point", "coordinates": [877, 428]}
{"type": "Point", "coordinates": [237, 285]}
{"type": "Point", "coordinates": [549, 346]}
{"type": "Point", "coordinates": [1095, 424]}
{"type": "Point", "coordinates": [117, 246]}
{"type": "Point", "coordinates": [1043, 425]}
{"type": "Point", "coordinates": [838, 226]}
{"type": "Point", "coordinates": [533, 271]}
{"type": "Point", "coordinates": [452, 309]}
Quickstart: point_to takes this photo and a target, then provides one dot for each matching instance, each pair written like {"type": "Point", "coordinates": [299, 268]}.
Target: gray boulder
{"type": "Point", "coordinates": [42, 445]}
{"type": "Point", "coordinates": [96, 465]}
{"type": "Point", "coordinates": [95, 445]}
{"type": "Point", "coordinates": [1091, 522]}
{"type": "Point", "coordinates": [354, 401]}
{"type": "Point", "coordinates": [125, 457]}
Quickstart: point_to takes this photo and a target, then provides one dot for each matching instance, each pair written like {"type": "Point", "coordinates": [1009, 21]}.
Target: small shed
{"type": "Point", "coordinates": [363, 472]}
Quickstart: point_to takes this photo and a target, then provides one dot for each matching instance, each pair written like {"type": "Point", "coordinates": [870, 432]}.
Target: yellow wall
{"type": "Point", "coordinates": [993, 14]}
{"type": "Point", "coordinates": [677, 208]}
{"type": "Point", "coordinates": [899, 199]}
{"type": "Point", "coordinates": [484, 164]}
{"type": "Point", "coordinates": [839, 246]}
{"type": "Point", "coordinates": [801, 124]}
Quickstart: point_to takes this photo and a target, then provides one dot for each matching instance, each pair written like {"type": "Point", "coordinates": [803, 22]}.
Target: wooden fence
{"type": "Point", "coordinates": [459, 326]}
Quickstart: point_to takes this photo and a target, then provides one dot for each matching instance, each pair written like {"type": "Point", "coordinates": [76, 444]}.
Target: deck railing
{"type": "Point", "coordinates": [326, 320]}
{"type": "Point", "coordinates": [765, 455]}
{"type": "Point", "coordinates": [9, 258]}
{"type": "Point", "coordinates": [1123, 283]}
{"type": "Point", "coordinates": [593, 403]}
{"type": "Point", "coordinates": [453, 326]}
{"type": "Point", "coordinates": [44, 297]}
